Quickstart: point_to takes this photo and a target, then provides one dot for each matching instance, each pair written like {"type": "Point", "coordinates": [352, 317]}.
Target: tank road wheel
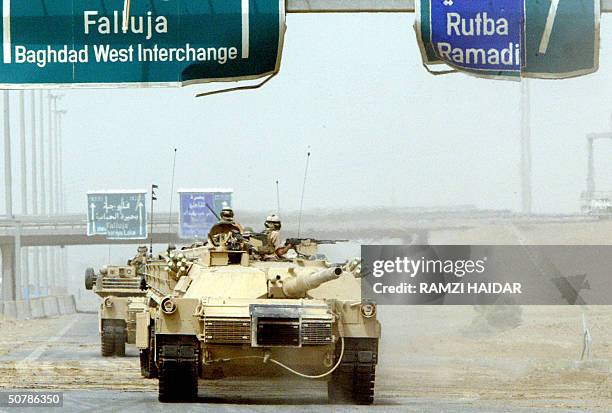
{"type": "Point", "coordinates": [353, 380]}
{"type": "Point", "coordinates": [119, 339]}
{"type": "Point", "coordinates": [178, 373]}
{"type": "Point", "coordinates": [107, 339]}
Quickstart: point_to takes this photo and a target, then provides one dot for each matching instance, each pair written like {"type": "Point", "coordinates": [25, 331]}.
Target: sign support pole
{"type": "Point", "coordinates": [525, 147]}
{"type": "Point", "coordinates": [8, 178]}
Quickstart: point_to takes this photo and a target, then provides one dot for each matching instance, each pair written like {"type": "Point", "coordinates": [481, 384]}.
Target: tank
{"type": "Point", "coordinates": [119, 286]}
{"type": "Point", "coordinates": [219, 310]}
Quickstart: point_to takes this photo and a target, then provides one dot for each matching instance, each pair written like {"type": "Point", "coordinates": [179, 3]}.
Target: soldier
{"type": "Point", "coordinates": [227, 216]}
{"type": "Point", "coordinates": [140, 260]}
{"type": "Point", "coordinates": [141, 256]}
{"type": "Point", "coordinates": [272, 230]}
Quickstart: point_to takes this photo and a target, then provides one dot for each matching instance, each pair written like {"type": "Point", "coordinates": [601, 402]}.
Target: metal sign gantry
{"type": "Point", "coordinates": [370, 6]}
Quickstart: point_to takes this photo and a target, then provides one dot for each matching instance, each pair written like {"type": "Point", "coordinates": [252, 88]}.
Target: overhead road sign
{"type": "Point", "coordinates": [196, 218]}
{"type": "Point", "coordinates": [370, 6]}
{"type": "Point", "coordinates": [155, 43]}
{"type": "Point", "coordinates": [562, 38]}
{"type": "Point", "coordinates": [117, 214]}
{"type": "Point", "coordinates": [552, 39]}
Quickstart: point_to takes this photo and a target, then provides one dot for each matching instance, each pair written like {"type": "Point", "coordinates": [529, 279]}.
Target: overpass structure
{"type": "Point", "coordinates": [362, 225]}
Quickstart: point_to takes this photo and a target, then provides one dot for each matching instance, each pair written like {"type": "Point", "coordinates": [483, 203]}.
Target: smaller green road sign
{"type": "Point", "coordinates": [510, 38]}
{"type": "Point", "coordinates": [106, 43]}
{"type": "Point", "coordinates": [562, 38]}
{"type": "Point", "coordinates": [118, 214]}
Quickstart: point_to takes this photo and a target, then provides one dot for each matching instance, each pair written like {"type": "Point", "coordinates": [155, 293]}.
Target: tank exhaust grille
{"type": "Point", "coordinates": [316, 332]}
{"type": "Point", "coordinates": [227, 330]}
{"type": "Point", "coordinates": [110, 283]}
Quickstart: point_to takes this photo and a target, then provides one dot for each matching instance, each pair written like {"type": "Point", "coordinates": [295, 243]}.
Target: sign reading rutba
{"type": "Point", "coordinates": [510, 38]}
{"type": "Point", "coordinates": [196, 219]}
{"type": "Point", "coordinates": [163, 42]}
{"type": "Point", "coordinates": [117, 214]}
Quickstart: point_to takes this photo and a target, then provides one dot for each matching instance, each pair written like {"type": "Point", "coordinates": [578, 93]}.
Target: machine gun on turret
{"type": "Point", "coordinates": [308, 246]}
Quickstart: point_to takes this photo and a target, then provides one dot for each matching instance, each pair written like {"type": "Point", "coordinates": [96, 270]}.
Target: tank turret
{"type": "Point", "coordinates": [298, 286]}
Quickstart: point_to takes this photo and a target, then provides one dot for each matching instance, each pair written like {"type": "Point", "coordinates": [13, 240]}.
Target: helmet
{"type": "Point", "coordinates": [142, 249]}
{"type": "Point", "coordinates": [272, 222]}
{"type": "Point", "coordinates": [227, 214]}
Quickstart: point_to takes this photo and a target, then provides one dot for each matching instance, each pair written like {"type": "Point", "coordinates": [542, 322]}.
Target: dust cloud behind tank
{"type": "Point", "coordinates": [225, 309]}
{"type": "Point", "coordinates": [119, 286]}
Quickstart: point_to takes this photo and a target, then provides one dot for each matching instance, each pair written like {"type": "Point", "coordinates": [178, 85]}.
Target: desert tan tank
{"type": "Point", "coordinates": [119, 286]}
{"type": "Point", "coordinates": [216, 311]}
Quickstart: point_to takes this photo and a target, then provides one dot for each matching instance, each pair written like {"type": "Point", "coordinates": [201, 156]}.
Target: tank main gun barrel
{"type": "Point", "coordinates": [297, 287]}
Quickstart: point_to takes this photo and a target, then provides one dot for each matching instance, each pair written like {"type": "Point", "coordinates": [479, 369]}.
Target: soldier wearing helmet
{"type": "Point", "coordinates": [272, 227]}
{"type": "Point", "coordinates": [140, 259]}
{"type": "Point", "coordinates": [227, 216]}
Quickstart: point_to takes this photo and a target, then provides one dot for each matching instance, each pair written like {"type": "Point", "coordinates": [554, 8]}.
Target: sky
{"type": "Point", "coordinates": [381, 130]}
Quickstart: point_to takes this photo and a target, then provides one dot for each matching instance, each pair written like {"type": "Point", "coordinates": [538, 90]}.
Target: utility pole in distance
{"type": "Point", "coordinates": [50, 187]}
{"type": "Point", "coordinates": [35, 250]}
{"type": "Point", "coordinates": [23, 254]}
{"type": "Point", "coordinates": [63, 257]}
{"type": "Point", "coordinates": [8, 178]}
{"type": "Point", "coordinates": [525, 147]}
{"type": "Point", "coordinates": [43, 192]}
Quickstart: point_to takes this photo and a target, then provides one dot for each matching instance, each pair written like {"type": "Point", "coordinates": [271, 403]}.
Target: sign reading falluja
{"type": "Point", "coordinates": [509, 38]}
{"type": "Point", "coordinates": [117, 214]}
{"type": "Point", "coordinates": [159, 42]}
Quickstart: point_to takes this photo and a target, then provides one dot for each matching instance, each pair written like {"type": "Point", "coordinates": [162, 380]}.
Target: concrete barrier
{"type": "Point", "coordinates": [10, 310]}
{"type": "Point", "coordinates": [67, 305]}
{"type": "Point", "coordinates": [23, 309]}
{"type": "Point", "coordinates": [50, 306]}
{"type": "Point", "coordinates": [36, 308]}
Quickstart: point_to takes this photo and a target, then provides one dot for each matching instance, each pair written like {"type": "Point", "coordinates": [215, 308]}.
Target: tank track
{"type": "Point", "coordinates": [120, 343]}
{"type": "Point", "coordinates": [112, 339]}
{"type": "Point", "coordinates": [107, 344]}
{"type": "Point", "coordinates": [148, 368]}
{"type": "Point", "coordinates": [178, 373]}
{"type": "Point", "coordinates": [353, 381]}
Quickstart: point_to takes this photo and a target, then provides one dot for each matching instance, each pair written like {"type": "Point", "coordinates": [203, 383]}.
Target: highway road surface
{"type": "Point", "coordinates": [62, 354]}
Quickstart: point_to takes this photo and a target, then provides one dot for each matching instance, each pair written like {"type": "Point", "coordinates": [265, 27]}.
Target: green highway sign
{"type": "Point", "coordinates": [150, 42]}
{"type": "Point", "coordinates": [117, 214]}
{"type": "Point", "coordinates": [510, 38]}
{"type": "Point", "coordinates": [562, 38]}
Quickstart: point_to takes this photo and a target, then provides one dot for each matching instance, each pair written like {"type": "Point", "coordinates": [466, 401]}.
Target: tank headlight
{"type": "Point", "coordinates": [108, 302]}
{"type": "Point", "coordinates": [368, 310]}
{"type": "Point", "coordinates": [168, 306]}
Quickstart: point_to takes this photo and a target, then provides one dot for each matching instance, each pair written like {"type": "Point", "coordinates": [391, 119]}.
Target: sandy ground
{"type": "Point", "coordinates": [441, 352]}
{"type": "Point", "coordinates": [454, 352]}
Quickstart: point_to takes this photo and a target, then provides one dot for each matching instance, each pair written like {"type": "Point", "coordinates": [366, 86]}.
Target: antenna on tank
{"type": "Point", "coordinates": [277, 200]}
{"type": "Point", "coordinates": [153, 198]}
{"type": "Point", "coordinates": [171, 194]}
{"type": "Point", "coordinates": [303, 190]}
